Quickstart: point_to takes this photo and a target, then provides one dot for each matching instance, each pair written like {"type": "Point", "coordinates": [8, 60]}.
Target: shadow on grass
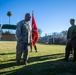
{"type": "Point", "coordinates": [42, 58]}
{"type": "Point", "coordinates": [7, 53]}
{"type": "Point", "coordinates": [32, 59]}
{"type": "Point", "coordinates": [42, 68]}
{"type": "Point", "coordinates": [57, 67]}
{"type": "Point", "coordinates": [46, 57]}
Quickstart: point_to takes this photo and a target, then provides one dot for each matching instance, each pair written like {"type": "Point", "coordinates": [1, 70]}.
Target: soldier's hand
{"type": "Point", "coordinates": [69, 40]}
{"type": "Point", "coordinates": [29, 44]}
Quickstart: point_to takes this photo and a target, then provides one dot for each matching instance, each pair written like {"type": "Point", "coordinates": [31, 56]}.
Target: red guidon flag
{"type": "Point", "coordinates": [34, 31]}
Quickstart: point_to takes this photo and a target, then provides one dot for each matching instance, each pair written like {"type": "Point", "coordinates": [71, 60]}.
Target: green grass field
{"type": "Point", "coordinates": [47, 61]}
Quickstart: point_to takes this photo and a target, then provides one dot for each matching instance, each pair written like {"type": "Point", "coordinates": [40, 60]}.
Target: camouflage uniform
{"type": "Point", "coordinates": [23, 34]}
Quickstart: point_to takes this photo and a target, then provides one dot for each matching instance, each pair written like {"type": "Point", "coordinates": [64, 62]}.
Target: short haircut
{"type": "Point", "coordinates": [72, 19]}
{"type": "Point", "coordinates": [27, 14]}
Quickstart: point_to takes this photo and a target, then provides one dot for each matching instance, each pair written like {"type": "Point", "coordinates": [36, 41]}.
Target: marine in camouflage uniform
{"type": "Point", "coordinates": [24, 37]}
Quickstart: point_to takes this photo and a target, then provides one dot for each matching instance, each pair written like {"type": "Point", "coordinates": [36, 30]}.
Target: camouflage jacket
{"type": "Point", "coordinates": [24, 32]}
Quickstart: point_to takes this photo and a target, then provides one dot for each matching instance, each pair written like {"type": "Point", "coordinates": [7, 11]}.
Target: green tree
{"type": "Point", "coordinates": [39, 32]}
{"type": "Point", "coordinates": [9, 14]}
{"type": "Point", "coordinates": [64, 33]}
{"type": "Point", "coordinates": [7, 32]}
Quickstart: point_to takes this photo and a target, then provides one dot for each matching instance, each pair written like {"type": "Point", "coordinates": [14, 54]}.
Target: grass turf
{"type": "Point", "coordinates": [47, 61]}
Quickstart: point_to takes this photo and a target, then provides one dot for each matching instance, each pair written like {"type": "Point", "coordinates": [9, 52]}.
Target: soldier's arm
{"type": "Point", "coordinates": [18, 31]}
{"type": "Point", "coordinates": [74, 35]}
{"type": "Point", "coordinates": [68, 34]}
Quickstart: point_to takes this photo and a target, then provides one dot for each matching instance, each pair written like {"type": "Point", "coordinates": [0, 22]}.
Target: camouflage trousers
{"type": "Point", "coordinates": [21, 48]}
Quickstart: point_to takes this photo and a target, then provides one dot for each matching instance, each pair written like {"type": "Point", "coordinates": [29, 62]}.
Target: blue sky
{"type": "Point", "coordinates": [50, 15]}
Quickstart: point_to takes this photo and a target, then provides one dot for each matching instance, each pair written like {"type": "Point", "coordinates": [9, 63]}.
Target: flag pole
{"type": "Point", "coordinates": [1, 20]}
{"type": "Point", "coordinates": [32, 11]}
